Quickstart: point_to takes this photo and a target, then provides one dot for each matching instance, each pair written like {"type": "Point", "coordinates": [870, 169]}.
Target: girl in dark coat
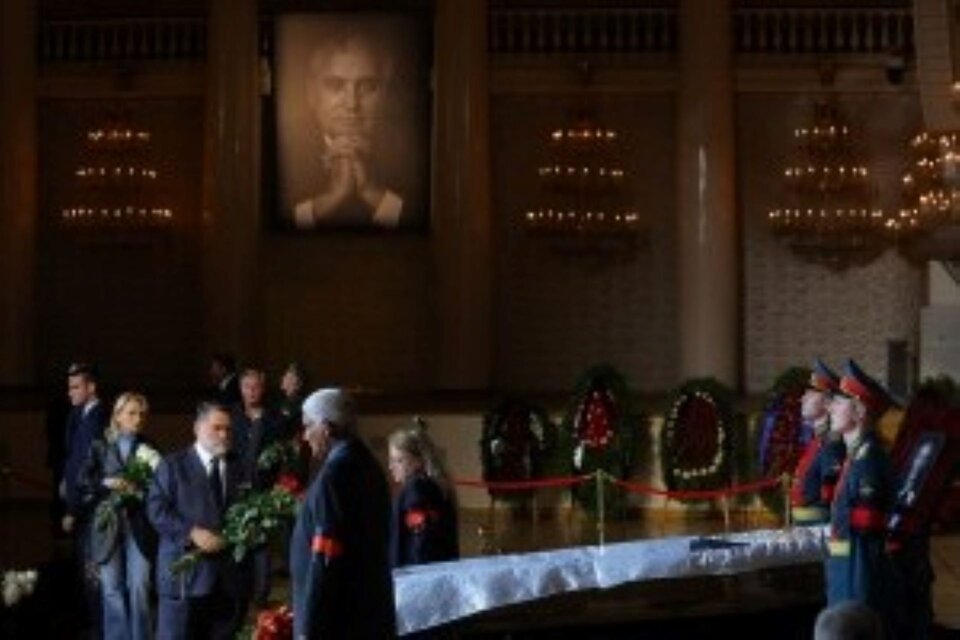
{"type": "Point", "coordinates": [424, 525]}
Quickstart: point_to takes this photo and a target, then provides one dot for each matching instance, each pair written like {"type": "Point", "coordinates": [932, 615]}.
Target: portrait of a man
{"type": "Point", "coordinates": [352, 121]}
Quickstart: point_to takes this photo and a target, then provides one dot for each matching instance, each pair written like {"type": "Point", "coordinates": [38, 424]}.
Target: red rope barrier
{"type": "Point", "coordinates": [522, 485]}
{"type": "Point", "coordinates": [704, 494]}
{"type": "Point", "coordinates": [633, 487]}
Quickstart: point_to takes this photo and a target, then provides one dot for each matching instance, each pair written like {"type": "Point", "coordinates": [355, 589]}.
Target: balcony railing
{"type": "Point", "coordinates": [553, 31]}
{"type": "Point", "coordinates": [823, 31]}
{"type": "Point", "coordinates": [127, 39]}
{"type": "Point", "coordinates": [768, 31]}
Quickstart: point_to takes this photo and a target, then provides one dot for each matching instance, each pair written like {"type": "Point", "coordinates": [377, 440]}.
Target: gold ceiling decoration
{"type": "Point", "coordinates": [829, 213]}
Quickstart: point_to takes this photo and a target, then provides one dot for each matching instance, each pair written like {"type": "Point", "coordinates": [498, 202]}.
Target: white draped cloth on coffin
{"type": "Point", "coordinates": [434, 594]}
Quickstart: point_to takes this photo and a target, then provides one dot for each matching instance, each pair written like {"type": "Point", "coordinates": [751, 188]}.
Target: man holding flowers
{"type": "Point", "coordinates": [188, 499]}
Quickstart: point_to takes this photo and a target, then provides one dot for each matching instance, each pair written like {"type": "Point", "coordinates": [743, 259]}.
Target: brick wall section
{"type": "Point", "coordinates": [562, 310]}
{"type": "Point", "coordinates": [794, 311]}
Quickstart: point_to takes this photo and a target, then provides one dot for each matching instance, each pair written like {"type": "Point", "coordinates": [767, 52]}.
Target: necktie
{"type": "Point", "coordinates": [216, 483]}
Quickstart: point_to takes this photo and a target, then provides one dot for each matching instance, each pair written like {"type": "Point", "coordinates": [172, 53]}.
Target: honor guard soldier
{"type": "Point", "coordinates": [858, 568]}
{"type": "Point", "coordinates": [815, 478]}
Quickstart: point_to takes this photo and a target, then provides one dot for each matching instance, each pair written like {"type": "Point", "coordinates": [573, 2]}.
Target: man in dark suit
{"type": "Point", "coordinates": [339, 566]}
{"type": "Point", "coordinates": [255, 427]}
{"type": "Point", "coordinates": [223, 376]}
{"type": "Point", "coordinates": [190, 493]}
{"type": "Point", "coordinates": [85, 423]}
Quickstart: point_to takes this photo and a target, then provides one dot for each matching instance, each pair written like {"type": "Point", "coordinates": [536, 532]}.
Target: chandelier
{"type": "Point", "coordinates": [931, 185]}
{"type": "Point", "coordinates": [582, 183]}
{"type": "Point", "coordinates": [115, 182]}
{"type": "Point", "coordinates": [829, 214]}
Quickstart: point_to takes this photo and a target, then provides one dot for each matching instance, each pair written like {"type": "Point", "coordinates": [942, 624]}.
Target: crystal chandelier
{"type": "Point", "coordinates": [115, 182]}
{"type": "Point", "coordinates": [582, 183]}
{"type": "Point", "coordinates": [829, 215]}
{"type": "Point", "coordinates": [931, 185]}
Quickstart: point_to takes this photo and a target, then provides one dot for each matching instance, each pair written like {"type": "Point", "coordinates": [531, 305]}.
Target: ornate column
{"type": "Point", "coordinates": [231, 223]}
{"type": "Point", "coordinates": [707, 254]}
{"type": "Point", "coordinates": [461, 204]}
{"type": "Point", "coordinates": [18, 190]}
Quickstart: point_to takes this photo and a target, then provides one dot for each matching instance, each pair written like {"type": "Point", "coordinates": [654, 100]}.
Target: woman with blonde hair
{"type": "Point", "coordinates": [424, 525]}
{"type": "Point", "coordinates": [113, 483]}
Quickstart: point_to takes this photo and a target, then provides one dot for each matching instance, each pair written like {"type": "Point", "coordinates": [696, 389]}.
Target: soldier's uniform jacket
{"type": "Point", "coordinates": [858, 567]}
{"type": "Point", "coordinates": [424, 527]}
{"type": "Point", "coordinates": [815, 480]}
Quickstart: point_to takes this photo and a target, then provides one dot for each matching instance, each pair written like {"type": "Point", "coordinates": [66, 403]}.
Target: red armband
{"type": "Point", "coordinates": [327, 547]}
{"type": "Point", "coordinates": [416, 519]}
{"type": "Point", "coordinates": [867, 519]}
{"type": "Point", "coordinates": [827, 491]}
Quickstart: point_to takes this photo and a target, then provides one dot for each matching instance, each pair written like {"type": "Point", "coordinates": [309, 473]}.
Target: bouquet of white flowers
{"type": "Point", "coordinates": [18, 585]}
{"type": "Point", "coordinates": [136, 476]}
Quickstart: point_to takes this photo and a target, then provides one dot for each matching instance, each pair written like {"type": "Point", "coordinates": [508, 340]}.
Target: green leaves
{"type": "Point", "coordinates": [137, 474]}
{"type": "Point", "coordinates": [697, 439]}
{"type": "Point", "coordinates": [600, 432]}
{"type": "Point", "coordinates": [249, 523]}
{"type": "Point", "coordinates": [281, 455]}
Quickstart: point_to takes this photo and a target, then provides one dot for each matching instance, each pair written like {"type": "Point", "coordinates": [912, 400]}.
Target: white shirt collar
{"type": "Point", "coordinates": [226, 380]}
{"type": "Point", "coordinates": [90, 405]}
{"type": "Point", "coordinates": [205, 456]}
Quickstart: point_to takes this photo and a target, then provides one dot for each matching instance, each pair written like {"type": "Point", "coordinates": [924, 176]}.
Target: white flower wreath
{"type": "Point", "coordinates": [670, 427]}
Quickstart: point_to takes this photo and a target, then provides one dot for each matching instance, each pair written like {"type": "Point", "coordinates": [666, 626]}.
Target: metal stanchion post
{"type": "Point", "coordinates": [726, 512]}
{"type": "Point", "coordinates": [533, 515]}
{"type": "Point", "coordinates": [785, 482]}
{"type": "Point", "coordinates": [601, 515]}
{"type": "Point", "coordinates": [492, 518]}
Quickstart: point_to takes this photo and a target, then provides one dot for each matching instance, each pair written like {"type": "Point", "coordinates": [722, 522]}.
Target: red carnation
{"type": "Point", "coordinates": [289, 483]}
{"type": "Point", "coordinates": [275, 624]}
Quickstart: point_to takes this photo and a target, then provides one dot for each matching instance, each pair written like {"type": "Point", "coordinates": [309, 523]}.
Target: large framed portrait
{"type": "Point", "coordinates": [352, 120]}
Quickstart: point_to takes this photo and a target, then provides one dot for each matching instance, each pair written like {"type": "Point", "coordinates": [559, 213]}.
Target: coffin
{"type": "Point", "coordinates": [666, 577]}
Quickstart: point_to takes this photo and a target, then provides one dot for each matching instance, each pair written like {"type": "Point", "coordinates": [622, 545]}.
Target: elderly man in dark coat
{"type": "Point", "coordinates": [342, 584]}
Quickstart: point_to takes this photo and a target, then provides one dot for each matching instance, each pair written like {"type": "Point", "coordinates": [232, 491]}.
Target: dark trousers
{"type": "Point", "coordinates": [88, 579]}
{"type": "Point", "coordinates": [916, 582]}
{"type": "Point", "coordinates": [261, 576]}
{"type": "Point", "coordinates": [213, 617]}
